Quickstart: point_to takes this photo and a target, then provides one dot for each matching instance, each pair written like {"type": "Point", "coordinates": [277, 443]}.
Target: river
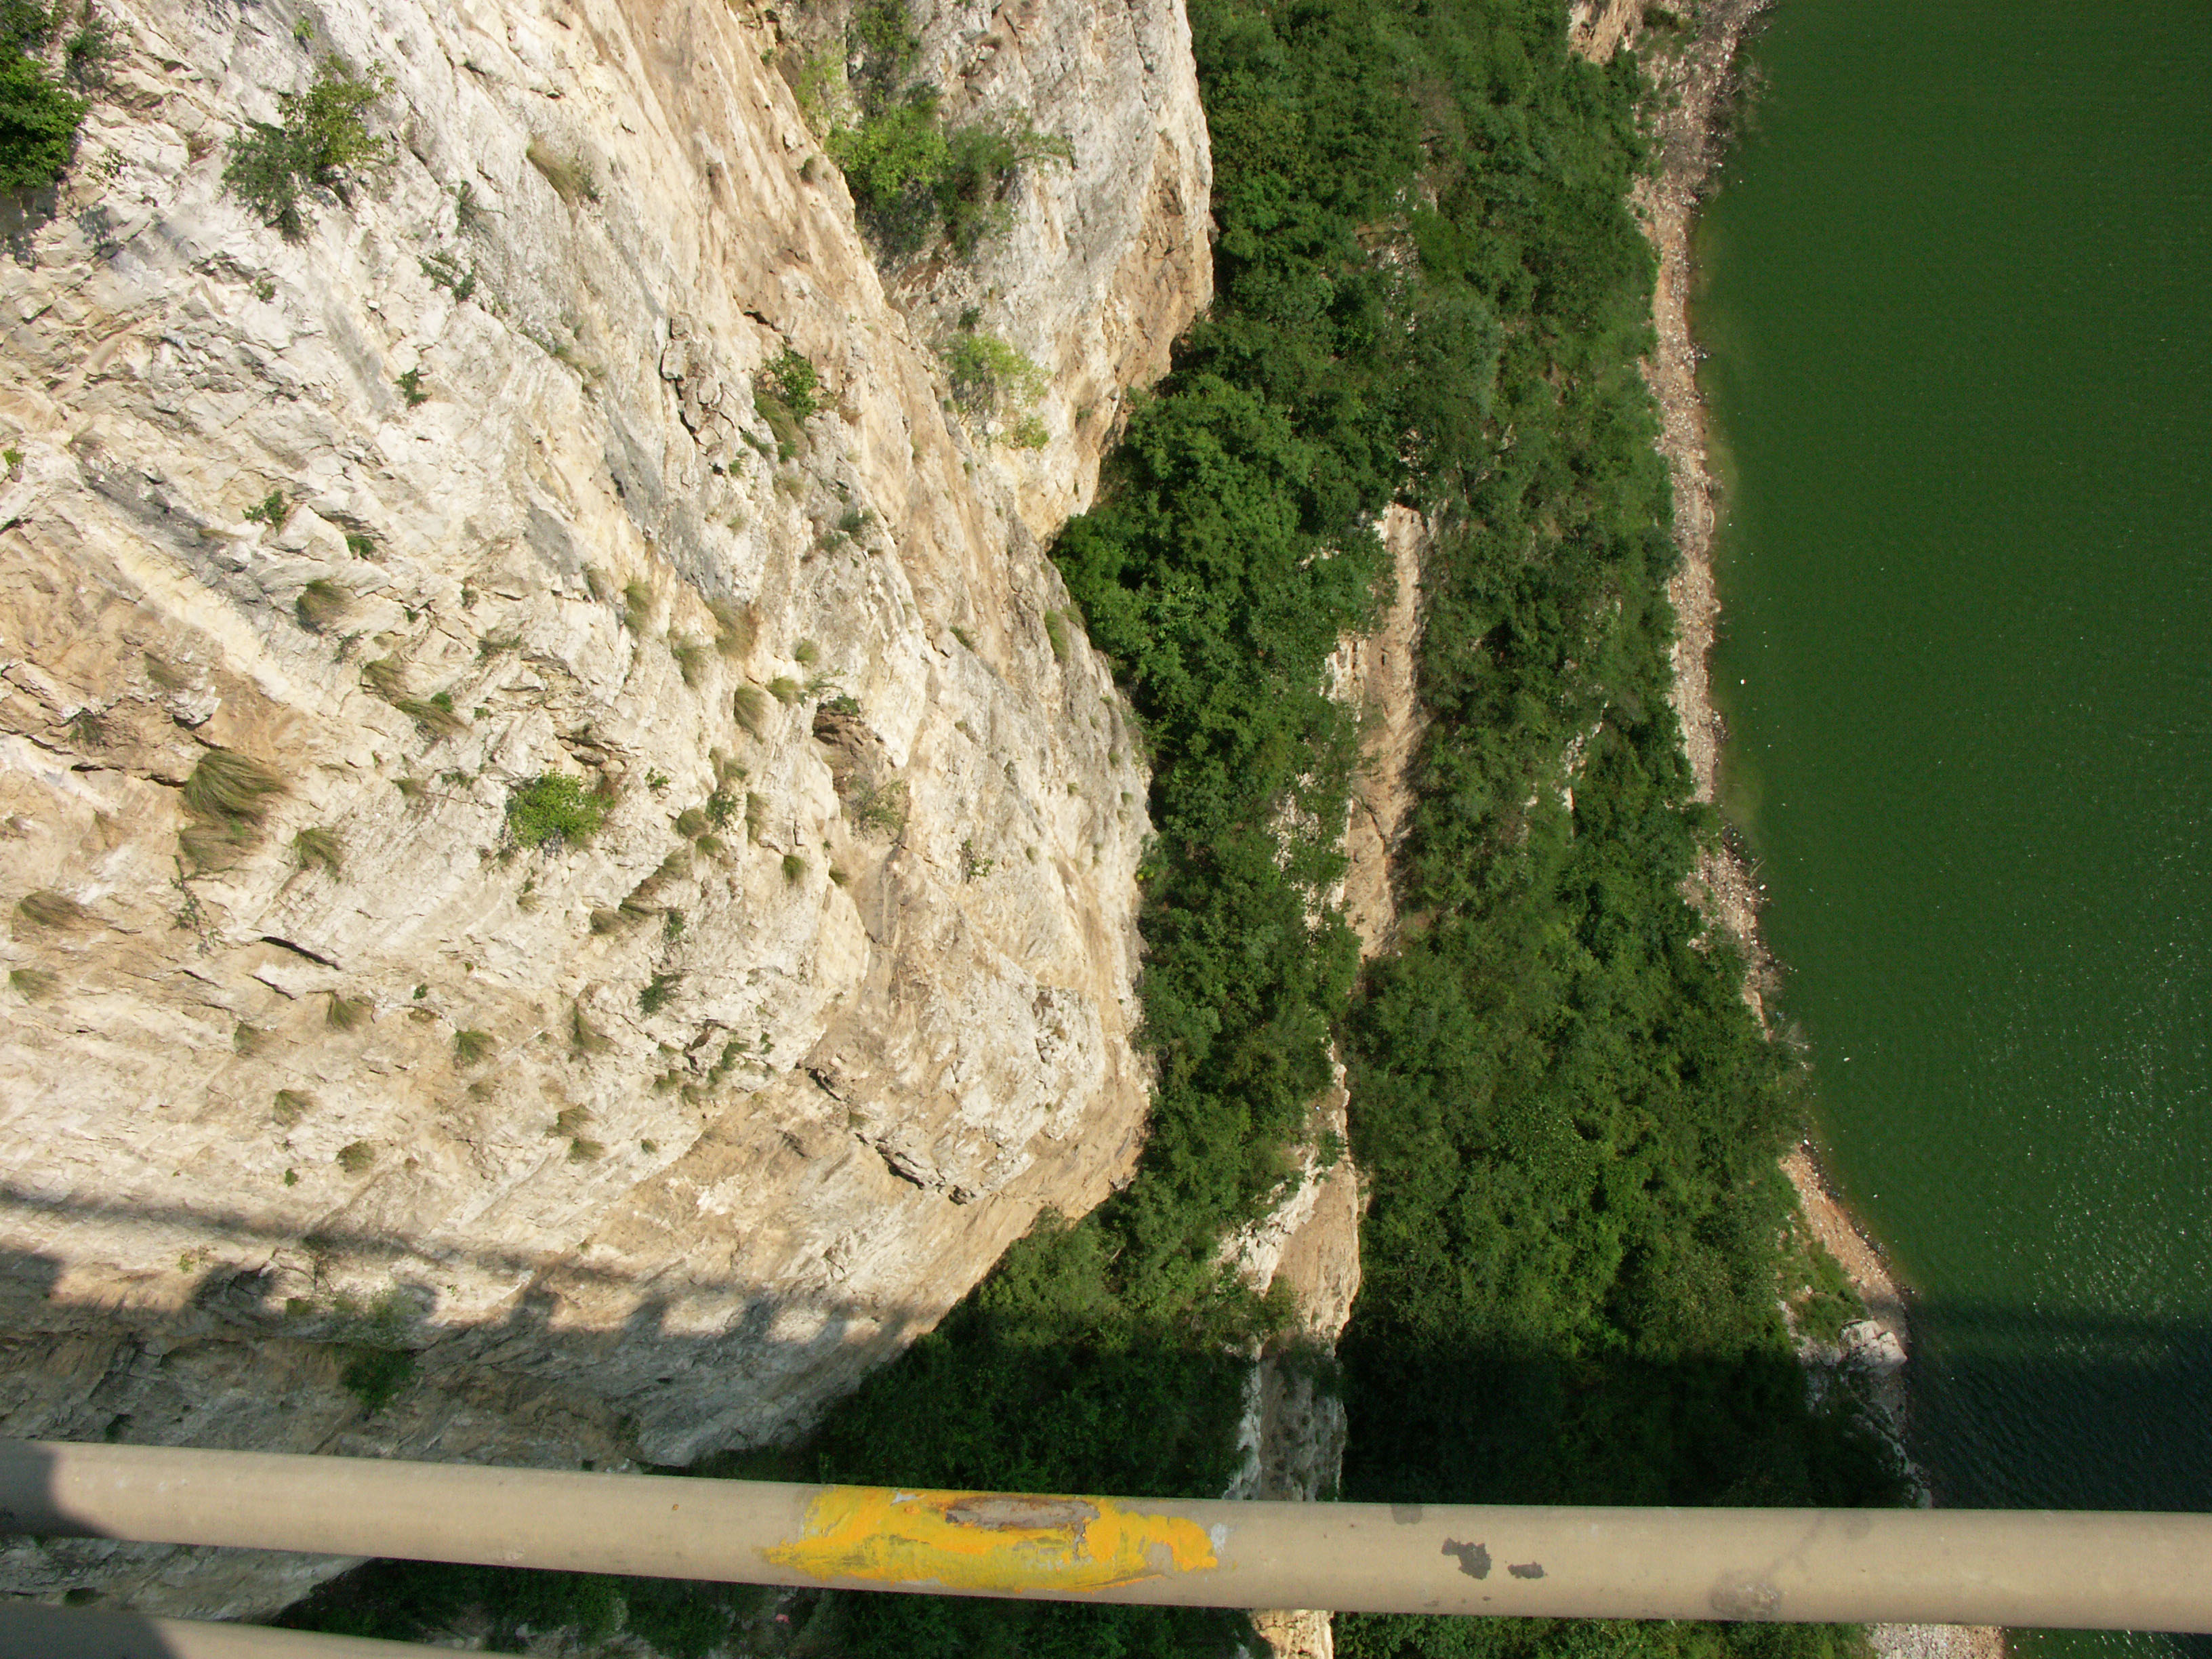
{"type": "Point", "coordinates": [1957, 295]}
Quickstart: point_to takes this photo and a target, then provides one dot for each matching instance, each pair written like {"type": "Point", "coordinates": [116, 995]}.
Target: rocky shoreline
{"type": "Point", "coordinates": [1699, 82]}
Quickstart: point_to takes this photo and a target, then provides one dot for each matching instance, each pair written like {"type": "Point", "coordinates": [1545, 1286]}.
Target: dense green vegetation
{"type": "Point", "coordinates": [1388, 1638]}
{"type": "Point", "coordinates": [409, 1601]}
{"type": "Point", "coordinates": [1568, 1116]}
{"type": "Point", "coordinates": [39, 118]}
{"type": "Point", "coordinates": [1429, 290]}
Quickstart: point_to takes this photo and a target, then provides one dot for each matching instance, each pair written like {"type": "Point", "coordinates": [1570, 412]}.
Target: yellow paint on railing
{"type": "Point", "coordinates": [988, 1541]}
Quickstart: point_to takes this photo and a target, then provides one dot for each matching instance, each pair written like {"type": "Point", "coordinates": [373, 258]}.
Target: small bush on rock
{"type": "Point", "coordinates": [911, 176]}
{"type": "Point", "coordinates": [375, 1376]}
{"type": "Point", "coordinates": [796, 382]}
{"type": "Point", "coordinates": [991, 378]}
{"type": "Point", "coordinates": [656, 995]}
{"type": "Point", "coordinates": [552, 808]}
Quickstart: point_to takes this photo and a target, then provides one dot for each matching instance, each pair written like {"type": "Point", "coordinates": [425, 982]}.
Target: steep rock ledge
{"type": "Point", "coordinates": [639, 1147]}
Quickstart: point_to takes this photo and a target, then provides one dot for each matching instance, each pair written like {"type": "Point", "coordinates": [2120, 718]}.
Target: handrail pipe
{"type": "Point", "coordinates": [2018, 1568]}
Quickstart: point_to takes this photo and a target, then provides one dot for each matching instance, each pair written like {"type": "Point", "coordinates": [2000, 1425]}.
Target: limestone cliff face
{"type": "Point", "coordinates": [648, 1143]}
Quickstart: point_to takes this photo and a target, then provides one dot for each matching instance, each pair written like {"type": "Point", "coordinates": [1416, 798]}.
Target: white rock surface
{"type": "Point", "coordinates": [659, 1244]}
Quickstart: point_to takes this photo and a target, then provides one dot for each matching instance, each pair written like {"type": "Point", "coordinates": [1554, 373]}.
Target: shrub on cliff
{"type": "Point", "coordinates": [992, 379]}
{"type": "Point", "coordinates": [911, 177]}
{"type": "Point", "coordinates": [795, 382]}
{"type": "Point", "coordinates": [322, 143]}
{"type": "Point", "coordinates": [989, 373]}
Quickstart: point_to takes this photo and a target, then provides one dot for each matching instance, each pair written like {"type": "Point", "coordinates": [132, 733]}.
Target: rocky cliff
{"type": "Point", "coordinates": [364, 1090]}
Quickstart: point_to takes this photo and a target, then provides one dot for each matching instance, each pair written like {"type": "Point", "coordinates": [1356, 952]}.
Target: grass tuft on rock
{"type": "Point", "coordinates": [736, 627]}
{"type": "Point", "coordinates": [226, 798]}
{"type": "Point", "coordinates": [387, 677]}
{"type": "Point", "coordinates": [433, 714]}
{"type": "Point", "coordinates": [33, 984]}
{"type": "Point", "coordinates": [472, 1049]}
{"type": "Point", "coordinates": [316, 846]}
{"type": "Point", "coordinates": [637, 606]}
{"type": "Point", "coordinates": [583, 1037]}
{"type": "Point", "coordinates": [46, 908]}
{"type": "Point", "coordinates": [692, 656]}
{"type": "Point", "coordinates": [322, 605]}
{"type": "Point", "coordinates": [225, 784]}
{"type": "Point", "coordinates": [570, 175]}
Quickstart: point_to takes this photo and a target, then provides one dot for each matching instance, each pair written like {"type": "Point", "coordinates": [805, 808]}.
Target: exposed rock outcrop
{"type": "Point", "coordinates": [1293, 1431]}
{"type": "Point", "coordinates": [324, 1049]}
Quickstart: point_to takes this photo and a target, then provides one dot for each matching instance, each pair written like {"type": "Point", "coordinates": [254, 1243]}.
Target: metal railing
{"type": "Point", "coordinates": [2020, 1568]}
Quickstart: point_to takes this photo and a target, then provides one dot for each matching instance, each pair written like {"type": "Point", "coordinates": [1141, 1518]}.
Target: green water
{"type": "Point", "coordinates": [1959, 306]}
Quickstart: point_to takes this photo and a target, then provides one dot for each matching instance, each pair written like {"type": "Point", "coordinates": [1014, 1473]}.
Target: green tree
{"type": "Point", "coordinates": [39, 120]}
{"type": "Point", "coordinates": [321, 143]}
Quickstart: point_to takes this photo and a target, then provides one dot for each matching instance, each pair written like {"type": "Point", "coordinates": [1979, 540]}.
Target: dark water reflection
{"type": "Point", "coordinates": [2022, 1410]}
